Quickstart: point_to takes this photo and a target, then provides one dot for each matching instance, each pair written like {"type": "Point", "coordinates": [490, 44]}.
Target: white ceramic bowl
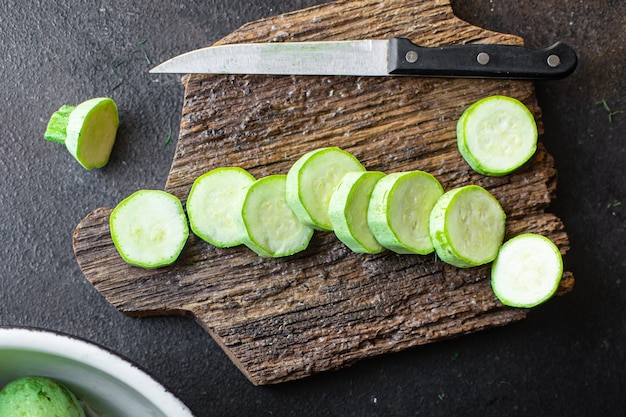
{"type": "Point", "coordinates": [109, 384]}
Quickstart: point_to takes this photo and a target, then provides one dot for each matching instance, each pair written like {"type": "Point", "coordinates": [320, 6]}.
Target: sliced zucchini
{"type": "Point", "coordinates": [149, 228]}
{"type": "Point", "coordinates": [214, 206]}
{"type": "Point", "coordinates": [467, 226]}
{"type": "Point", "coordinates": [271, 227]}
{"type": "Point", "coordinates": [347, 211]}
{"type": "Point", "coordinates": [527, 271]}
{"type": "Point", "coordinates": [497, 135]}
{"type": "Point", "coordinates": [312, 180]}
{"type": "Point", "coordinates": [399, 211]}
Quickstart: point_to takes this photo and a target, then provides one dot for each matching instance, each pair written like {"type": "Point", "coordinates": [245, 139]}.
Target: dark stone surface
{"type": "Point", "coordinates": [566, 358]}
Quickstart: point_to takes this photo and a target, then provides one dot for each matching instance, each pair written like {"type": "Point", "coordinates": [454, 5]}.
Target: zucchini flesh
{"type": "Point", "coordinates": [348, 211]}
{"type": "Point", "coordinates": [214, 204]}
{"type": "Point", "coordinates": [497, 135]}
{"type": "Point", "coordinates": [311, 182]}
{"type": "Point", "coordinates": [149, 228]}
{"type": "Point", "coordinates": [467, 226]}
{"type": "Point", "coordinates": [527, 271]}
{"type": "Point", "coordinates": [271, 227]}
{"type": "Point", "coordinates": [88, 130]}
{"type": "Point", "coordinates": [399, 211]}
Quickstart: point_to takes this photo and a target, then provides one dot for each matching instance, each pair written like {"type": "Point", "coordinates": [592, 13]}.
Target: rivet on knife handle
{"type": "Point", "coordinates": [481, 60]}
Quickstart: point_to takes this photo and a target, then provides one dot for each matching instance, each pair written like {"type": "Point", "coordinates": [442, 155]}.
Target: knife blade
{"type": "Point", "coordinates": [391, 57]}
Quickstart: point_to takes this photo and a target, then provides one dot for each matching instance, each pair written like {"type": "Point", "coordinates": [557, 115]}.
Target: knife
{"type": "Point", "coordinates": [395, 56]}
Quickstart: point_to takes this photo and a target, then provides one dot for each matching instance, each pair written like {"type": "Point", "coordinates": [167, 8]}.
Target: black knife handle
{"type": "Point", "coordinates": [481, 60]}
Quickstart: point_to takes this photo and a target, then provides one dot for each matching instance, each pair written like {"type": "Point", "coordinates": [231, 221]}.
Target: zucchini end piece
{"type": "Point", "coordinates": [87, 130]}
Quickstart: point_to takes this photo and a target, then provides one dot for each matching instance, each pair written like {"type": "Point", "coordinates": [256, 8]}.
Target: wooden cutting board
{"type": "Point", "coordinates": [322, 309]}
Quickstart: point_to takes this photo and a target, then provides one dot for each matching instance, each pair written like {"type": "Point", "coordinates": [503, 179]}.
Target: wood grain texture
{"type": "Point", "coordinates": [324, 308]}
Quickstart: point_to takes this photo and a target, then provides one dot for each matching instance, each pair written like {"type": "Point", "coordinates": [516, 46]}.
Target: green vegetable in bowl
{"type": "Point", "coordinates": [88, 130]}
{"type": "Point", "coordinates": [35, 396]}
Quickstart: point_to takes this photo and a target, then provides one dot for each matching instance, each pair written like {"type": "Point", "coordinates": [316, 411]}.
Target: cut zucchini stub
{"type": "Point", "coordinates": [497, 135]}
{"type": "Point", "coordinates": [312, 180]}
{"type": "Point", "coordinates": [271, 228]}
{"type": "Point", "coordinates": [399, 211]}
{"type": "Point", "coordinates": [87, 130]}
{"type": "Point", "coordinates": [467, 226]}
{"type": "Point", "coordinates": [214, 206]}
{"type": "Point", "coordinates": [149, 228]}
{"type": "Point", "coordinates": [347, 211]}
{"type": "Point", "coordinates": [527, 271]}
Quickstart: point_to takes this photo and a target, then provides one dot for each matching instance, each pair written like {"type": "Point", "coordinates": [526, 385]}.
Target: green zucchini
{"type": "Point", "coordinates": [214, 205]}
{"type": "Point", "coordinates": [88, 130]}
{"type": "Point", "coordinates": [271, 228]}
{"type": "Point", "coordinates": [399, 211]}
{"type": "Point", "coordinates": [497, 135]}
{"type": "Point", "coordinates": [312, 180]}
{"type": "Point", "coordinates": [36, 396]}
{"type": "Point", "coordinates": [347, 211]}
{"type": "Point", "coordinates": [527, 271]}
{"type": "Point", "coordinates": [467, 226]}
{"type": "Point", "coordinates": [149, 228]}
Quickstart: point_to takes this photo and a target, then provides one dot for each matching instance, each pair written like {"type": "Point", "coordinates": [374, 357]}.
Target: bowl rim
{"type": "Point", "coordinates": [96, 356]}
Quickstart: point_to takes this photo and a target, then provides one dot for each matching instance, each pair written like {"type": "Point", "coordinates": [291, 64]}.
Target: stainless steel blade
{"type": "Point", "coordinates": [362, 57]}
